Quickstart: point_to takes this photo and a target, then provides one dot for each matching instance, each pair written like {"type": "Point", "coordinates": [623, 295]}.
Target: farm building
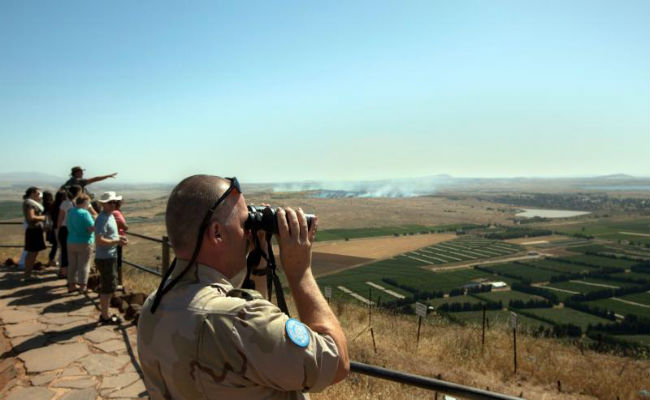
{"type": "Point", "coordinates": [497, 285]}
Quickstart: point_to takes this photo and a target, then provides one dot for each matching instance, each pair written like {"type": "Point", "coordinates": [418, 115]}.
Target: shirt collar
{"type": "Point", "coordinates": [201, 272]}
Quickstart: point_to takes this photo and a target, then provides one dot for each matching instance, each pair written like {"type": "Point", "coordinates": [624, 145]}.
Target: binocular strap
{"type": "Point", "coordinates": [272, 278]}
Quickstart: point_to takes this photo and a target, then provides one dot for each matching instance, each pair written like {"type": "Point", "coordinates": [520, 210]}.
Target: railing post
{"type": "Point", "coordinates": [165, 254]}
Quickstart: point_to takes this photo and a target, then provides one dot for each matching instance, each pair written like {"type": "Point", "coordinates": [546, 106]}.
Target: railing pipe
{"type": "Point", "coordinates": [153, 239]}
{"type": "Point", "coordinates": [466, 392]}
{"type": "Point", "coordinates": [143, 268]}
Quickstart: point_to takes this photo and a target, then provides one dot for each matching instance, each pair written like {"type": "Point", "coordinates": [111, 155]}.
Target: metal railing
{"type": "Point", "coordinates": [437, 385]}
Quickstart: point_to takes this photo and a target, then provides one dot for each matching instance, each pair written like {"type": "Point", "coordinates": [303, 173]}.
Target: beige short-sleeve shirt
{"type": "Point", "coordinates": [202, 344]}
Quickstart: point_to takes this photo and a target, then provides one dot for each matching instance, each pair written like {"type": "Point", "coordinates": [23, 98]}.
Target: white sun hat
{"type": "Point", "coordinates": [109, 196]}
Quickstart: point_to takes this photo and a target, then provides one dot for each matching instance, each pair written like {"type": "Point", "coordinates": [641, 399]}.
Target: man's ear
{"type": "Point", "coordinates": [214, 233]}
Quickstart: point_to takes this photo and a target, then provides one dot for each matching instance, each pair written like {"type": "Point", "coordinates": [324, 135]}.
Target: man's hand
{"type": "Point", "coordinates": [295, 240]}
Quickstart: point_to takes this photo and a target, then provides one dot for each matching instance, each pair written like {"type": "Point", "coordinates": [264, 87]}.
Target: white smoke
{"type": "Point", "coordinates": [385, 188]}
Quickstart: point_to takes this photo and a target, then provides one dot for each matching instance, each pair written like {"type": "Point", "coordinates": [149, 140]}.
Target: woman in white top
{"type": "Point", "coordinates": [33, 212]}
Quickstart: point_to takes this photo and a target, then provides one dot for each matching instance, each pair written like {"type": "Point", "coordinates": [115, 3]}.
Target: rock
{"type": "Point", "coordinates": [57, 319]}
{"type": "Point", "coordinates": [30, 393]}
{"type": "Point", "coordinates": [53, 356]}
{"type": "Point", "coordinates": [7, 371]}
{"type": "Point", "coordinates": [135, 390]}
{"type": "Point", "coordinates": [112, 346]}
{"type": "Point", "coordinates": [75, 383]}
{"type": "Point", "coordinates": [24, 329]}
{"type": "Point", "coordinates": [10, 262]}
{"type": "Point", "coordinates": [102, 334]}
{"type": "Point", "coordinates": [16, 316]}
{"type": "Point", "coordinates": [119, 381]}
{"type": "Point", "coordinates": [86, 394]}
{"type": "Point", "coordinates": [103, 364]}
{"type": "Point", "coordinates": [72, 371]}
{"type": "Point", "coordinates": [42, 379]}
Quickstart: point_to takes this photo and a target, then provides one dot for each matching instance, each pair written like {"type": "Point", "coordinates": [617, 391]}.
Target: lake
{"type": "Point", "coordinates": [532, 212]}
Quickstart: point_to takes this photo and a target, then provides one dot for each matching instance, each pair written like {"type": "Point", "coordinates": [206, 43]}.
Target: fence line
{"type": "Point", "coordinates": [423, 382]}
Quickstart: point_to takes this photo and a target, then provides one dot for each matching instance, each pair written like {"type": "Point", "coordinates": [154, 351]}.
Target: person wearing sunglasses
{"type": "Point", "coordinates": [200, 337]}
{"type": "Point", "coordinates": [107, 240]}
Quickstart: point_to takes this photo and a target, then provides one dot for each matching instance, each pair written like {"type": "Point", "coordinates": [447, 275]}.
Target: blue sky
{"type": "Point", "coordinates": [279, 91]}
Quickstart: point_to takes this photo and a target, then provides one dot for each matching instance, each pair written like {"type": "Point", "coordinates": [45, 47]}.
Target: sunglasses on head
{"type": "Point", "coordinates": [234, 184]}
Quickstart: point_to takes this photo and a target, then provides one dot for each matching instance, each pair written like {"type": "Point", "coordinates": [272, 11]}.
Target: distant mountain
{"type": "Point", "coordinates": [30, 179]}
{"type": "Point", "coordinates": [614, 177]}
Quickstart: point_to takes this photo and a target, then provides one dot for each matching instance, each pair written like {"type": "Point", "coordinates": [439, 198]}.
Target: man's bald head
{"type": "Point", "coordinates": [187, 205]}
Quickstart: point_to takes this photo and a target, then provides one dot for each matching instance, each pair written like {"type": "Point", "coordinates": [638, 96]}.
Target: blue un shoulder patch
{"type": "Point", "coordinates": [297, 332]}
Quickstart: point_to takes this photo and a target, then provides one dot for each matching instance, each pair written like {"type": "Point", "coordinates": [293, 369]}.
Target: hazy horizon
{"type": "Point", "coordinates": [16, 176]}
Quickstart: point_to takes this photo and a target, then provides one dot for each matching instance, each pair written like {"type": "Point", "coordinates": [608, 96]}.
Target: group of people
{"type": "Point", "coordinates": [75, 225]}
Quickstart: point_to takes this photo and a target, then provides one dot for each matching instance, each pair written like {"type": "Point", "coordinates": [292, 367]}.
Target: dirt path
{"type": "Point", "coordinates": [479, 262]}
{"type": "Point", "coordinates": [557, 289]}
{"type": "Point", "coordinates": [355, 295]}
{"type": "Point", "coordinates": [387, 291]}
{"type": "Point", "coordinates": [631, 302]}
{"type": "Point", "coordinates": [635, 234]}
{"type": "Point", "coordinates": [595, 284]}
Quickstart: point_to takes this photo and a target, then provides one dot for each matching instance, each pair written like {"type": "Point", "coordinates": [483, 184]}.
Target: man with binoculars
{"type": "Point", "coordinates": [199, 337]}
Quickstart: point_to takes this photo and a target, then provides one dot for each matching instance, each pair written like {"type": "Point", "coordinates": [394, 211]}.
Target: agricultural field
{"type": "Point", "coordinates": [437, 302]}
{"type": "Point", "coordinates": [380, 247]}
{"type": "Point", "coordinates": [621, 308]}
{"type": "Point", "coordinates": [523, 272]}
{"type": "Point", "coordinates": [497, 317]}
{"type": "Point", "coordinates": [643, 340]}
{"type": "Point", "coordinates": [606, 283]}
{"type": "Point", "coordinates": [463, 249]}
{"type": "Point", "coordinates": [575, 287]}
{"type": "Point", "coordinates": [641, 298]}
{"type": "Point", "coordinates": [636, 230]}
{"type": "Point", "coordinates": [630, 275]}
{"type": "Point", "coordinates": [567, 315]}
{"type": "Point", "coordinates": [399, 230]}
{"type": "Point", "coordinates": [592, 248]}
{"type": "Point", "coordinates": [621, 250]}
{"type": "Point", "coordinates": [557, 265]}
{"type": "Point", "coordinates": [405, 272]}
{"type": "Point", "coordinates": [599, 261]}
{"type": "Point", "coordinates": [505, 296]}
{"type": "Point", "coordinates": [562, 294]}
